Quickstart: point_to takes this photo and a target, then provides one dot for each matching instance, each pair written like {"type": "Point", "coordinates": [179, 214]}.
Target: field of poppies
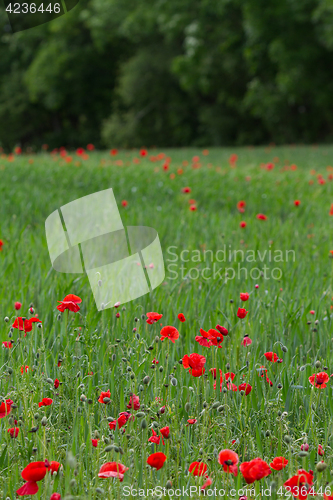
{"type": "Point", "coordinates": [218, 382]}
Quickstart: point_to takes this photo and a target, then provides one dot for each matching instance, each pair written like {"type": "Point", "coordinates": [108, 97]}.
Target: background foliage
{"type": "Point", "coordinates": [176, 72]}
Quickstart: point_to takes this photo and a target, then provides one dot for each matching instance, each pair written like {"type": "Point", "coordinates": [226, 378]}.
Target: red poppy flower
{"type": "Point", "coordinates": [320, 450]}
{"type": "Point", "coordinates": [113, 469]}
{"type": "Point", "coordinates": [56, 383]}
{"type": "Point", "coordinates": [193, 208]}
{"type": "Point", "coordinates": [94, 442]}
{"type": "Point", "coordinates": [79, 151]}
{"type": "Point", "coordinates": [213, 370]}
{"type": "Point", "coordinates": [143, 152]}
{"type": "Point", "coordinates": [154, 438]}
{"type": "Point", "coordinates": [241, 313]}
{"type": "Point", "coordinates": [124, 203]}
{"type": "Point", "coordinates": [181, 317]}
{"type": "Point", "coordinates": [17, 306]}
{"type": "Point", "coordinates": [55, 496]}
{"type": "Point", "coordinates": [305, 447]}
{"type": "Point", "coordinates": [113, 152]}
{"type": "Point", "coordinates": [45, 402]}
{"type": "Point", "coordinates": [191, 421]}
{"type": "Point", "coordinates": [207, 483]}
{"type": "Point", "coordinates": [198, 468]}
{"type": "Point", "coordinates": [278, 463]}
{"type": "Point", "coordinates": [165, 431]}
{"type": "Point", "coordinates": [103, 395]}
{"type": "Point", "coordinates": [134, 402]}
{"type": "Point", "coordinates": [215, 337]}
{"type": "Point", "coordinates": [90, 147]}
{"type": "Point", "coordinates": [245, 387]}
{"type": "Point", "coordinates": [203, 339]}
{"type": "Point", "coordinates": [319, 380]}
{"type": "Point", "coordinates": [53, 467]}
{"type": "Point", "coordinates": [70, 302]}
{"type": "Point", "coordinates": [242, 223]}
{"type": "Point", "coordinates": [261, 217]}
{"type": "Point", "coordinates": [156, 460]}
{"type": "Point", "coordinates": [24, 368]}
{"type": "Point", "coordinates": [195, 362]}
{"type": "Point", "coordinates": [271, 356]}
{"type": "Point", "coordinates": [153, 317]}
{"type": "Point", "coordinates": [33, 472]}
{"type": "Point", "coordinates": [246, 341]}
{"type": "Point", "coordinates": [169, 332]}
{"type": "Point", "coordinates": [233, 159]}
{"type": "Point", "coordinates": [244, 296]}
{"type": "Point", "coordinates": [7, 344]}
{"type": "Point", "coordinates": [229, 460]}
{"type": "Point", "coordinates": [254, 470]}
{"type": "Point", "coordinates": [222, 330]}
{"type": "Point", "coordinates": [5, 408]}
{"type": "Point", "coordinates": [13, 432]}
{"type": "Point", "coordinates": [25, 324]}
{"type": "Point", "coordinates": [241, 206]}
{"type": "Point", "coordinates": [300, 486]}
{"type": "Point", "coordinates": [186, 190]}
{"type": "Point", "coordinates": [1, 245]}
{"type": "Point", "coordinates": [297, 203]}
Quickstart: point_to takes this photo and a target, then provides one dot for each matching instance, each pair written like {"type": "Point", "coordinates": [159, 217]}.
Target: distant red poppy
{"type": "Point", "coordinates": [17, 306]}
{"type": "Point", "coordinates": [103, 395]}
{"type": "Point", "coordinates": [193, 208]}
{"type": "Point", "coordinates": [244, 296]}
{"type": "Point", "coordinates": [191, 421]}
{"type": "Point", "coordinates": [25, 324]}
{"type": "Point", "coordinates": [261, 217]}
{"type": "Point", "coordinates": [169, 332]}
{"type": "Point", "coordinates": [233, 159]}
{"type": "Point", "coordinates": [13, 432]}
{"type": "Point", "coordinates": [245, 387]}
{"type": "Point", "coordinates": [297, 203]}
{"type": "Point", "coordinates": [254, 470]}
{"type": "Point", "coordinates": [312, 312]}
{"type": "Point", "coordinates": [278, 463]}
{"type": "Point", "coordinates": [113, 152]}
{"type": "Point", "coordinates": [186, 190]}
{"type": "Point", "coordinates": [165, 431]}
{"type": "Point", "coordinates": [241, 206]}
{"type": "Point", "coordinates": [1, 245]}
{"type": "Point", "coordinates": [55, 496]}
{"type": "Point", "coordinates": [246, 341]}
{"type": "Point", "coordinates": [56, 383]}
{"type": "Point", "coordinates": [181, 317]}
{"type": "Point", "coordinates": [319, 380]}
{"type": "Point", "coordinates": [229, 460]}
{"type": "Point", "coordinates": [154, 438]}
{"type": "Point", "coordinates": [222, 330]}
{"type": "Point", "coordinates": [241, 313]}
{"type": "Point", "coordinates": [113, 469]}
{"type": "Point", "coordinates": [90, 147]}
{"type": "Point", "coordinates": [242, 223]}
{"type": "Point", "coordinates": [271, 356]}
{"type": "Point", "coordinates": [203, 338]}
{"type": "Point", "coordinates": [153, 317]}
{"type": "Point", "coordinates": [124, 203]}
{"type": "Point", "coordinates": [300, 486]}
{"type": "Point", "coordinates": [143, 152]}
{"type": "Point", "coordinates": [320, 450]}
{"type": "Point", "coordinates": [45, 402]}
{"type": "Point", "coordinates": [70, 302]}
{"type": "Point", "coordinates": [134, 402]}
{"type": "Point", "coordinates": [7, 344]}
{"type": "Point", "coordinates": [195, 362]}
{"type": "Point", "coordinates": [198, 468]}
{"type": "Point", "coordinates": [5, 408]}
{"type": "Point", "coordinates": [156, 460]}
{"type": "Point", "coordinates": [79, 151]}
{"type": "Point", "coordinates": [94, 442]}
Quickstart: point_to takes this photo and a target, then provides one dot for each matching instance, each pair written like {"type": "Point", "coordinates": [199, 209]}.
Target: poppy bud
{"type": "Point", "coordinates": [146, 380]}
{"type": "Point", "coordinates": [242, 392]}
{"type": "Point", "coordinates": [321, 466]}
{"type": "Point", "coordinates": [72, 483]}
{"type": "Point", "coordinates": [10, 371]}
{"type": "Point", "coordinates": [157, 339]}
{"type": "Point", "coordinates": [143, 424]}
{"type": "Point", "coordinates": [106, 400]}
{"type": "Point", "coordinates": [10, 334]}
{"type": "Point", "coordinates": [129, 369]}
{"type": "Point", "coordinates": [49, 381]}
{"type": "Point", "coordinates": [140, 414]}
{"type": "Point", "coordinates": [287, 439]}
{"type": "Point", "coordinates": [201, 451]}
{"type": "Point", "coordinates": [155, 424]}
{"type": "Point", "coordinates": [227, 366]}
{"type": "Point", "coordinates": [59, 317]}
{"type": "Point", "coordinates": [150, 348]}
{"type": "Point", "coordinates": [44, 421]}
{"type": "Point", "coordinates": [284, 348]}
{"type": "Point", "coordinates": [216, 404]}
{"type": "Point", "coordinates": [303, 454]}
{"type": "Point", "coordinates": [220, 408]}
{"type": "Point", "coordinates": [161, 369]}
{"type": "Point", "coordinates": [83, 398]}
{"type": "Point", "coordinates": [224, 390]}
{"type": "Point", "coordinates": [279, 413]}
{"type": "Point", "coordinates": [136, 319]}
{"type": "Point", "coordinates": [6, 319]}
{"type": "Point", "coordinates": [34, 449]}
{"type": "Point", "coordinates": [174, 381]}
{"type": "Point", "coordinates": [36, 416]}
{"type": "Point", "coordinates": [31, 310]}
{"type": "Point", "coordinates": [231, 301]}
{"type": "Point", "coordinates": [99, 491]}
{"type": "Point", "coordinates": [143, 316]}
{"type": "Point", "coordinates": [302, 368]}
{"type": "Point", "coordinates": [318, 364]}
{"type": "Point", "coordinates": [279, 386]}
{"type": "Point", "coordinates": [168, 485]}
{"type": "Point", "coordinates": [140, 388]}
{"type": "Point", "coordinates": [188, 407]}
{"type": "Point", "coordinates": [124, 360]}
{"type": "Point", "coordinates": [205, 404]}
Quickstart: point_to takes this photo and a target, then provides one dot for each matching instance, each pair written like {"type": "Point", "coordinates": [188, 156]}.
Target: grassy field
{"type": "Point", "coordinates": [209, 260]}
